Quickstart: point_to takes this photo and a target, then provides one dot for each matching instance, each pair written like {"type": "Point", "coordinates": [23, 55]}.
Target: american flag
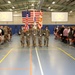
{"type": "Point", "coordinates": [30, 16]}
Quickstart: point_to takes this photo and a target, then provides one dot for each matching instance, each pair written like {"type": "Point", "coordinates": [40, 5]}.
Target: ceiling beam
{"type": "Point", "coordinates": [40, 4]}
{"type": "Point", "coordinates": [59, 5]}
{"type": "Point", "coordinates": [15, 2]}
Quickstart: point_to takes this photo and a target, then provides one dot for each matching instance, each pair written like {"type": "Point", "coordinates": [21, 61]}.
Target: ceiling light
{"type": "Point", "coordinates": [71, 11]}
{"type": "Point", "coordinates": [52, 9]}
{"type": "Point", "coordinates": [49, 7]}
{"type": "Point", "coordinates": [10, 9]}
{"type": "Point", "coordinates": [9, 2]}
{"type": "Point", "coordinates": [53, 2]}
{"type": "Point", "coordinates": [15, 11]}
{"type": "Point", "coordinates": [32, 5]}
{"type": "Point", "coordinates": [13, 7]}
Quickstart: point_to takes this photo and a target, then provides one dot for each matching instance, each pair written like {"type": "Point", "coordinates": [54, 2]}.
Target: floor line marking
{"type": "Point", "coordinates": [69, 55]}
{"type": "Point", "coordinates": [42, 73]}
{"type": "Point", "coordinates": [66, 53]}
{"type": "Point", "coordinates": [6, 55]}
{"type": "Point", "coordinates": [14, 68]}
{"type": "Point", "coordinates": [30, 61]}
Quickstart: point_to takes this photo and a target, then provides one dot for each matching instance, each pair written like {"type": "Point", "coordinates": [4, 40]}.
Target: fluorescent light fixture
{"type": "Point", "coordinates": [71, 11]}
{"type": "Point", "coordinates": [49, 7]}
{"type": "Point", "coordinates": [53, 2]}
{"type": "Point", "coordinates": [15, 11]}
{"type": "Point", "coordinates": [9, 2]}
{"type": "Point", "coordinates": [13, 7]}
{"type": "Point", "coordinates": [32, 5]}
{"type": "Point", "coordinates": [10, 9]}
{"type": "Point", "coordinates": [52, 9]}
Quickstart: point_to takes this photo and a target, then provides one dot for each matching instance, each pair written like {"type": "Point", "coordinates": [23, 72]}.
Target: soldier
{"type": "Point", "coordinates": [5, 34]}
{"type": "Point", "coordinates": [22, 40]}
{"type": "Point", "coordinates": [40, 33]}
{"type": "Point", "coordinates": [46, 36]}
{"type": "Point", "coordinates": [30, 30]}
{"type": "Point", "coordinates": [34, 34]}
{"type": "Point", "coordinates": [28, 38]}
{"type": "Point", "coordinates": [0, 35]}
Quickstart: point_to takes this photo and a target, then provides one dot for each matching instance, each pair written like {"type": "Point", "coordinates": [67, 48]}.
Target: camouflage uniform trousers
{"type": "Point", "coordinates": [5, 37]}
{"type": "Point", "coordinates": [40, 40]}
{"type": "Point", "coordinates": [22, 43]}
{"type": "Point", "coordinates": [46, 41]}
{"type": "Point", "coordinates": [28, 41]}
{"type": "Point", "coordinates": [34, 40]}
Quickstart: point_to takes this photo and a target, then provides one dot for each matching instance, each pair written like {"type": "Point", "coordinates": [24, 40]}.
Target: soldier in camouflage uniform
{"type": "Point", "coordinates": [34, 34]}
{"type": "Point", "coordinates": [22, 40]}
{"type": "Point", "coordinates": [40, 33]}
{"type": "Point", "coordinates": [30, 30]}
{"type": "Point", "coordinates": [46, 36]}
{"type": "Point", "coordinates": [28, 38]}
{"type": "Point", "coordinates": [5, 34]}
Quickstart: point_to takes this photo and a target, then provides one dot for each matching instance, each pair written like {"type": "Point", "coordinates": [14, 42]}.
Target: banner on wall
{"type": "Point", "coordinates": [6, 16]}
{"type": "Point", "coordinates": [59, 16]}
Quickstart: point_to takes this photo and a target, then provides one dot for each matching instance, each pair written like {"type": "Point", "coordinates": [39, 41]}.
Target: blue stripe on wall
{"type": "Point", "coordinates": [16, 28]}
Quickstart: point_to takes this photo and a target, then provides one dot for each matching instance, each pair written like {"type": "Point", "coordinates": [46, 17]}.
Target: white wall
{"type": "Point", "coordinates": [17, 19]}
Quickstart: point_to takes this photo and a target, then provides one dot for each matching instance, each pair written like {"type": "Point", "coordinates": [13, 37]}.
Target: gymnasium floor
{"type": "Point", "coordinates": [57, 59]}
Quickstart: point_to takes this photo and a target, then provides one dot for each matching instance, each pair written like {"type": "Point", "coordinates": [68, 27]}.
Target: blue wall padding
{"type": "Point", "coordinates": [16, 28]}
